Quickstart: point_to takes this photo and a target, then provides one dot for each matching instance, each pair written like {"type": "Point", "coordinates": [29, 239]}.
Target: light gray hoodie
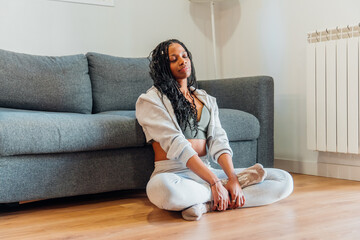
{"type": "Point", "coordinates": [156, 116]}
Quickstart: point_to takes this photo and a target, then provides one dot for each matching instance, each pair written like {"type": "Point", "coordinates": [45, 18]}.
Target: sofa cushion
{"type": "Point", "coordinates": [34, 132]}
{"type": "Point", "coordinates": [117, 82]}
{"type": "Point", "coordinates": [239, 125]}
{"type": "Point", "coordinates": [58, 84]}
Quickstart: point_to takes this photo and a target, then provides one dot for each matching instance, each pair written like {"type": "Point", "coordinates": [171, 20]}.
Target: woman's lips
{"type": "Point", "coordinates": [184, 69]}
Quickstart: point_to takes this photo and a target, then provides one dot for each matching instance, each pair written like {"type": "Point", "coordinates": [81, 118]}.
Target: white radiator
{"type": "Point", "coordinates": [333, 90]}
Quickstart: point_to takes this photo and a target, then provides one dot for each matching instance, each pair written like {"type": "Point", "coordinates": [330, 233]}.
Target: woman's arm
{"type": "Point", "coordinates": [218, 142]}
{"type": "Point", "coordinates": [219, 193]}
{"type": "Point", "coordinates": [233, 185]}
{"type": "Point", "coordinates": [158, 125]}
{"type": "Point", "coordinates": [220, 152]}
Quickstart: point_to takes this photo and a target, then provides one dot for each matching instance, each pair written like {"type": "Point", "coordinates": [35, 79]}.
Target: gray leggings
{"type": "Point", "coordinates": [173, 186]}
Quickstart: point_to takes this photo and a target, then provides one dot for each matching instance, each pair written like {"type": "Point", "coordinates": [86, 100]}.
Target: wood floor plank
{"type": "Point", "coordinates": [319, 208]}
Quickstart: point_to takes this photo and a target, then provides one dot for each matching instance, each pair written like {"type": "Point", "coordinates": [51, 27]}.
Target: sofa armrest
{"type": "Point", "coordinates": [254, 95]}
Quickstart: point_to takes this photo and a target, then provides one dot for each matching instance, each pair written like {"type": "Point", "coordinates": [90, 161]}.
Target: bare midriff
{"type": "Point", "coordinates": [199, 145]}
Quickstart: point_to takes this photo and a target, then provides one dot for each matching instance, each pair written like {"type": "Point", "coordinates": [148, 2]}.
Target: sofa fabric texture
{"type": "Point", "coordinates": [58, 84]}
{"type": "Point", "coordinates": [34, 132]}
{"type": "Point", "coordinates": [239, 125]}
{"type": "Point", "coordinates": [117, 81]}
{"type": "Point", "coordinates": [43, 176]}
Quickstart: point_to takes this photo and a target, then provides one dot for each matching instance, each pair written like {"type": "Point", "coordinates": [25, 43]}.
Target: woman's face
{"type": "Point", "coordinates": [180, 64]}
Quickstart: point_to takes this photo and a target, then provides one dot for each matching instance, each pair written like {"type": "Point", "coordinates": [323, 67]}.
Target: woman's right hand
{"type": "Point", "coordinates": [220, 197]}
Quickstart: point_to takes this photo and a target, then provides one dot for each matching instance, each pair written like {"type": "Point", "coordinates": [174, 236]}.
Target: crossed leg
{"type": "Point", "coordinates": [185, 190]}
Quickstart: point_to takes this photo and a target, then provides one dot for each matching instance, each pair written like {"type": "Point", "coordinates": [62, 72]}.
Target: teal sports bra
{"type": "Point", "coordinates": [202, 128]}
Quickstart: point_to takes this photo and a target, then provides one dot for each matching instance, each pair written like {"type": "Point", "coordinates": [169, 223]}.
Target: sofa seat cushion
{"type": "Point", "coordinates": [35, 132]}
{"type": "Point", "coordinates": [239, 125]}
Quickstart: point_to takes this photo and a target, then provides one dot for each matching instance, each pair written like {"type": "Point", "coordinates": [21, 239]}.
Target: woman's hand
{"type": "Point", "coordinates": [236, 193]}
{"type": "Point", "coordinates": [220, 196]}
{"type": "Point", "coordinates": [233, 185]}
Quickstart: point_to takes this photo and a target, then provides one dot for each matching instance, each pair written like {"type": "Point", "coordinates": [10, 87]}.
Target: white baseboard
{"type": "Point", "coordinates": [310, 168]}
{"type": "Point", "coordinates": [319, 169]}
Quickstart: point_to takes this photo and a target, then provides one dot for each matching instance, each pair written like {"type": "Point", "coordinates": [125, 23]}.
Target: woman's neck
{"type": "Point", "coordinates": [183, 86]}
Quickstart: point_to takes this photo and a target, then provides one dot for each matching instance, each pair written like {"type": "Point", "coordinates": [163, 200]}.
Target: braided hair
{"type": "Point", "coordinates": [165, 82]}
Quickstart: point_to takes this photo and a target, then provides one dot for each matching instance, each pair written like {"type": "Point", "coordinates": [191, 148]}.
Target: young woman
{"type": "Point", "coordinates": [183, 125]}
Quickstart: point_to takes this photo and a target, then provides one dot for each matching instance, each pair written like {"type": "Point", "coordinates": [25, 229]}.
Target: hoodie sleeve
{"type": "Point", "coordinates": [218, 143]}
{"type": "Point", "coordinates": [158, 125]}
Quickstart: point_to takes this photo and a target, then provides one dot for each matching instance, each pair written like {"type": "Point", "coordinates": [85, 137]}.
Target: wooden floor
{"type": "Point", "coordinates": [319, 208]}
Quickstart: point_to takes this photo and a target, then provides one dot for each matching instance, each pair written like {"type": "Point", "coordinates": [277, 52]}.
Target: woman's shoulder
{"type": "Point", "coordinates": [202, 92]}
{"type": "Point", "coordinates": [151, 95]}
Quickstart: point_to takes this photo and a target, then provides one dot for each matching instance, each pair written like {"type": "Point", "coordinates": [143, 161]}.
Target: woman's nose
{"type": "Point", "coordinates": [183, 61]}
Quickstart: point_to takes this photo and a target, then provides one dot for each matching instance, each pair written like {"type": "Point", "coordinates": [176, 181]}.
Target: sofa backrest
{"type": "Point", "coordinates": [58, 84]}
{"type": "Point", "coordinates": [117, 82]}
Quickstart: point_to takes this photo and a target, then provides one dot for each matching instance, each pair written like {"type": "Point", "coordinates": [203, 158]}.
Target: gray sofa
{"type": "Point", "coordinates": [68, 126]}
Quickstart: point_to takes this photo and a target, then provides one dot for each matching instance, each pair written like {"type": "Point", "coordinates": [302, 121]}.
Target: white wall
{"type": "Point", "coordinates": [131, 29]}
{"type": "Point", "coordinates": [269, 37]}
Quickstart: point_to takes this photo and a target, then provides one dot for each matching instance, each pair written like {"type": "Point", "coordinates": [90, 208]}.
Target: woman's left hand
{"type": "Point", "coordinates": [237, 198]}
